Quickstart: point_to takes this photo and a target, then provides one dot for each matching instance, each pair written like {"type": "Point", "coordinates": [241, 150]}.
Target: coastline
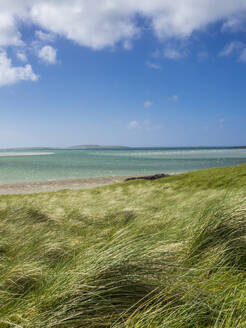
{"type": "Point", "coordinates": [56, 185]}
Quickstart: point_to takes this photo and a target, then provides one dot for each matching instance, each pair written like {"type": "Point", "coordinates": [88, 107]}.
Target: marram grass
{"type": "Point", "coordinates": [169, 253]}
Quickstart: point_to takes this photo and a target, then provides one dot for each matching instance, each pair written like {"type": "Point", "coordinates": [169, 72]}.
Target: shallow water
{"type": "Point", "coordinates": [23, 166]}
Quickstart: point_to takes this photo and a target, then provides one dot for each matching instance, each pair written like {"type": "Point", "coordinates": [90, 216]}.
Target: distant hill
{"type": "Point", "coordinates": [97, 147]}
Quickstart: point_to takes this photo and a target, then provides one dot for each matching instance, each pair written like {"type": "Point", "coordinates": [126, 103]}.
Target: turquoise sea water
{"type": "Point", "coordinates": [73, 164]}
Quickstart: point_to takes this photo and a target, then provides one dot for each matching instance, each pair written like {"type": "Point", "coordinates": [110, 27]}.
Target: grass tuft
{"type": "Point", "coordinates": [169, 253]}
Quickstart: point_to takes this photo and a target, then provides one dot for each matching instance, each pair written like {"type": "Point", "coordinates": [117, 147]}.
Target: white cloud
{"type": "Point", "coordinates": [21, 56]}
{"type": "Point", "coordinates": [95, 24]}
{"type": "Point", "coordinates": [173, 98]}
{"type": "Point", "coordinates": [9, 34]}
{"type": "Point", "coordinates": [173, 52]}
{"type": "Point", "coordinates": [100, 23]}
{"type": "Point", "coordinates": [47, 54]}
{"type": "Point", "coordinates": [234, 24]}
{"type": "Point", "coordinates": [230, 48]}
{"type": "Point", "coordinates": [153, 65]}
{"type": "Point", "coordinates": [104, 23]}
{"type": "Point", "coordinates": [235, 48]}
{"type": "Point", "coordinates": [133, 125]}
{"type": "Point", "coordinates": [10, 74]}
{"type": "Point", "coordinates": [45, 37]}
{"type": "Point", "coordinates": [148, 104]}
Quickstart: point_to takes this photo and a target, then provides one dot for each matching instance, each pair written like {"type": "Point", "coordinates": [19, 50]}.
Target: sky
{"type": "Point", "coordinates": [122, 72]}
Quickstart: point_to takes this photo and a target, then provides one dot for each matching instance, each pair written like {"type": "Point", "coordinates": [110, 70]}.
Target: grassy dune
{"type": "Point", "coordinates": [168, 253]}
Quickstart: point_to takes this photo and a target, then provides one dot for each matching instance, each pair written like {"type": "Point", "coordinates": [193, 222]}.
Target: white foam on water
{"type": "Point", "coordinates": [226, 152]}
{"type": "Point", "coordinates": [7, 154]}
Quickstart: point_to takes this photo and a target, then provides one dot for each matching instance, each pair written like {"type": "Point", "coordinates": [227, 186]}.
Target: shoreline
{"type": "Point", "coordinates": [71, 184]}
{"type": "Point", "coordinates": [57, 185]}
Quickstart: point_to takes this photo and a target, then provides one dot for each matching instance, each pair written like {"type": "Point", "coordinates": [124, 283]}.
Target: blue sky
{"type": "Point", "coordinates": [126, 73]}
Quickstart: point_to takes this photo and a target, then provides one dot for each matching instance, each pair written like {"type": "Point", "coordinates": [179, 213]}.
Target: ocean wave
{"type": "Point", "coordinates": [200, 152]}
{"type": "Point", "coordinates": [7, 154]}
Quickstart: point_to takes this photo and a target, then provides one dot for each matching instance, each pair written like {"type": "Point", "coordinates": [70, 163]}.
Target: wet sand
{"type": "Point", "coordinates": [47, 186]}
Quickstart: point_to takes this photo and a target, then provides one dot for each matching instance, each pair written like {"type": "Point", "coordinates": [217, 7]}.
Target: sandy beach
{"type": "Point", "coordinates": [47, 186]}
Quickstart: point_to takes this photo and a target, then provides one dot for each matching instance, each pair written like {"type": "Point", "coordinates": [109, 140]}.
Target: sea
{"type": "Point", "coordinates": [25, 165]}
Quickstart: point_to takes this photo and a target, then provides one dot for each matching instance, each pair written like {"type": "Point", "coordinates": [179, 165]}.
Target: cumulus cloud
{"type": "Point", "coordinates": [9, 34]}
{"type": "Point", "coordinates": [47, 54]}
{"type": "Point", "coordinates": [148, 104]}
{"type": "Point", "coordinates": [173, 98]}
{"type": "Point", "coordinates": [96, 24]}
{"type": "Point", "coordinates": [133, 125]}
{"type": "Point", "coordinates": [99, 23]}
{"type": "Point", "coordinates": [104, 23]}
{"type": "Point", "coordinates": [10, 74]}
